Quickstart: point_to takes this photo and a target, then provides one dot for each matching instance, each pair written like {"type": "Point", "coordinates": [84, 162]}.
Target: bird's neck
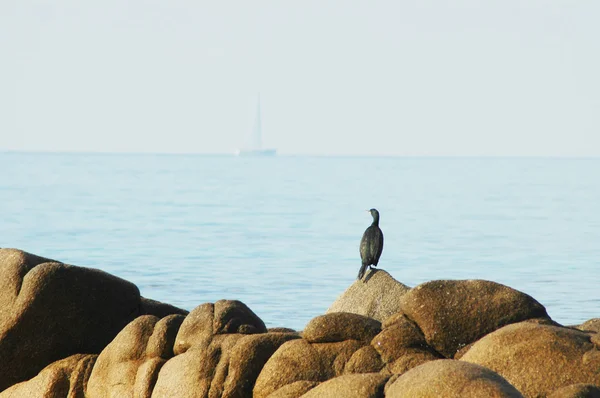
{"type": "Point", "coordinates": [375, 221]}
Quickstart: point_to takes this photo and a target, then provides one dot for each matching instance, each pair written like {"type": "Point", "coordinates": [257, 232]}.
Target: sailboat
{"type": "Point", "coordinates": [254, 147]}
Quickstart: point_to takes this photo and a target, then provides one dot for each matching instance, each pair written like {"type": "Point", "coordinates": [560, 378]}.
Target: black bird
{"type": "Point", "coordinates": [371, 244]}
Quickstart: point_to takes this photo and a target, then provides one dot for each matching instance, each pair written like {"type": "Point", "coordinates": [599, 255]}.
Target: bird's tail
{"type": "Point", "coordinates": [362, 270]}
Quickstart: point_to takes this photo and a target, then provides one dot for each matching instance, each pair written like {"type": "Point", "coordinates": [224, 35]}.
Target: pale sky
{"type": "Point", "coordinates": [517, 77]}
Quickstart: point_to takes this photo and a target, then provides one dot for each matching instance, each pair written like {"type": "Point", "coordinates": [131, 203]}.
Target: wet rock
{"type": "Point", "coordinates": [454, 313]}
{"type": "Point", "coordinates": [129, 365]}
{"type": "Point", "coordinates": [65, 378]}
{"type": "Point", "coordinates": [538, 359]}
{"type": "Point", "coordinates": [367, 385]}
{"type": "Point", "coordinates": [377, 298]}
{"type": "Point", "coordinates": [52, 310]}
{"type": "Point", "coordinates": [450, 379]}
{"type": "Point", "coordinates": [340, 326]}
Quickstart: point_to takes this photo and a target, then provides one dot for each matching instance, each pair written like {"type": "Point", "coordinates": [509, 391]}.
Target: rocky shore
{"type": "Point", "coordinates": [70, 331]}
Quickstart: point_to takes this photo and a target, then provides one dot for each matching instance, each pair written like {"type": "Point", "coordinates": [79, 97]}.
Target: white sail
{"type": "Point", "coordinates": [254, 144]}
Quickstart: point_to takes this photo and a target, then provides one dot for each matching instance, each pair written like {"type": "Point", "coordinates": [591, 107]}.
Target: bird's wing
{"type": "Point", "coordinates": [380, 243]}
{"type": "Point", "coordinates": [364, 246]}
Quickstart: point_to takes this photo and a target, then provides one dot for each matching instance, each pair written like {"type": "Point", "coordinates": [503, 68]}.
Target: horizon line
{"type": "Point", "coordinates": [233, 154]}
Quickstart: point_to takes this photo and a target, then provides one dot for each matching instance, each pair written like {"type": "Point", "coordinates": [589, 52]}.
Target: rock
{"type": "Point", "coordinates": [247, 359]}
{"type": "Point", "coordinates": [364, 360]}
{"type": "Point", "coordinates": [294, 390]}
{"type": "Point", "coordinates": [402, 346]}
{"type": "Point", "coordinates": [64, 378]}
{"type": "Point", "coordinates": [455, 313]}
{"type": "Point", "coordinates": [158, 309]}
{"type": "Point", "coordinates": [51, 310]}
{"type": "Point", "coordinates": [129, 365]}
{"type": "Point", "coordinates": [450, 379]}
{"type": "Point", "coordinates": [222, 317]}
{"type": "Point", "coordinates": [299, 360]}
{"type": "Point", "coordinates": [281, 330]}
{"type": "Point", "coordinates": [340, 326]}
{"type": "Point", "coordinates": [592, 325]}
{"type": "Point", "coordinates": [577, 391]}
{"type": "Point", "coordinates": [191, 374]}
{"type": "Point", "coordinates": [377, 298]}
{"type": "Point", "coordinates": [227, 368]}
{"type": "Point", "coordinates": [367, 385]}
{"type": "Point", "coordinates": [538, 359]}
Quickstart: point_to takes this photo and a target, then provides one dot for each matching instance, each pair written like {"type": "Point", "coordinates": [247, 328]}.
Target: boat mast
{"type": "Point", "coordinates": [258, 127]}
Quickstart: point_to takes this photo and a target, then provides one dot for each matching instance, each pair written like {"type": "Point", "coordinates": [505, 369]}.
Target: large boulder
{"type": "Point", "coordinates": [222, 317]}
{"type": "Point", "coordinates": [450, 379]}
{"type": "Point", "coordinates": [129, 365]}
{"type": "Point", "coordinates": [340, 326]}
{"type": "Point", "coordinates": [377, 297]}
{"type": "Point", "coordinates": [220, 350]}
{"type": "Point", "coordinates": [455, 313]}
{"type": "Point", "coordinates": [247, 359]}
{"type": "Point", "coordinates": [65, 378]}
{"type": "Point", "coordinates": [538, 359]}
{"type": "Point", "coordinates": [365, 385]}
{"type": "Point", "coordinates": [402, 346]}
{"type": "Point", "coordinates": [299, 360]}
{"type": "Point", "coordinates": [51, 310]}
{"type": "Point", "coordinates": [191, 374]}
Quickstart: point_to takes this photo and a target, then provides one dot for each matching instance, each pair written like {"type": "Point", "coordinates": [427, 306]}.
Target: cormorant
{"type": "Point", "coordinates": [371, 244]}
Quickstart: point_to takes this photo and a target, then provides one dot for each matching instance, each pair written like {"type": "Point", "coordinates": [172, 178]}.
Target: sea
{"type": "Point", "coordinates": [282, 233]}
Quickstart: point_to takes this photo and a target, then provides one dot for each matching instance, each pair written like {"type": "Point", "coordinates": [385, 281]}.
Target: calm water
{"type": "Point", "coordinates": [281, 234]}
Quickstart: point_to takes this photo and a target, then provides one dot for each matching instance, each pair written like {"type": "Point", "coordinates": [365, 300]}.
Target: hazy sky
{"type": "Point", "coordinates": [518, 77]}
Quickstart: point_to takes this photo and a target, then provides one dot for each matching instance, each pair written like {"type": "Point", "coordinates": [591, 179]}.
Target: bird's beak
{"type": "Point", "coordinates": [368, 211]}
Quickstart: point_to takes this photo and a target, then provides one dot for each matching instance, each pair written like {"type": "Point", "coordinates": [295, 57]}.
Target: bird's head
{"type": "Point", "coordinates": [374, 214]}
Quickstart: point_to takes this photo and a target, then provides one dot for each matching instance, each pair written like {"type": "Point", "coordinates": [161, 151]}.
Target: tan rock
{"type": "Point", "coordinates": [538, 359]}
{"type": "Point", "coordinates": [191, 374]}
{"type": "Point", "coordinates": [450, 379]}
{"type": "Point", "coordinates": [402, 346]}
{"type": "Point", "coordinates": [294, 390]}
{"type": "Point", "coordinates": [455, 313]}
{"type": "Point", "coordinates": [222, 317]}
{"type": "Point", "coordinates": [299, 360]}
{"type": "Point", "coordinates": [340, 326]}
{"type": "Point", "coordinates": [592, 325]}
{"type": "Point", "coordinates": [377, 298]}
{"type": "Point", "coordinates": [129, 365]}
{"type": "Point", "coordinates": [364, 385]}
{"type": "Point", "coordinates": [281, 330]}
{"type": "Point", "coordinates": [577, 391]}
{"type": "Point", "coordinates": [228, 368]}
{"type": "Point", "coordinates": [247, 359]}
{"type": "Point", "coordinates": [335, 356]}
{"type": "Point", "coordinates": [50, 310]}
{"type": "Point", "coordinates": [65, 378]}
{"type": "Point", "coordinates": [364, 360]}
